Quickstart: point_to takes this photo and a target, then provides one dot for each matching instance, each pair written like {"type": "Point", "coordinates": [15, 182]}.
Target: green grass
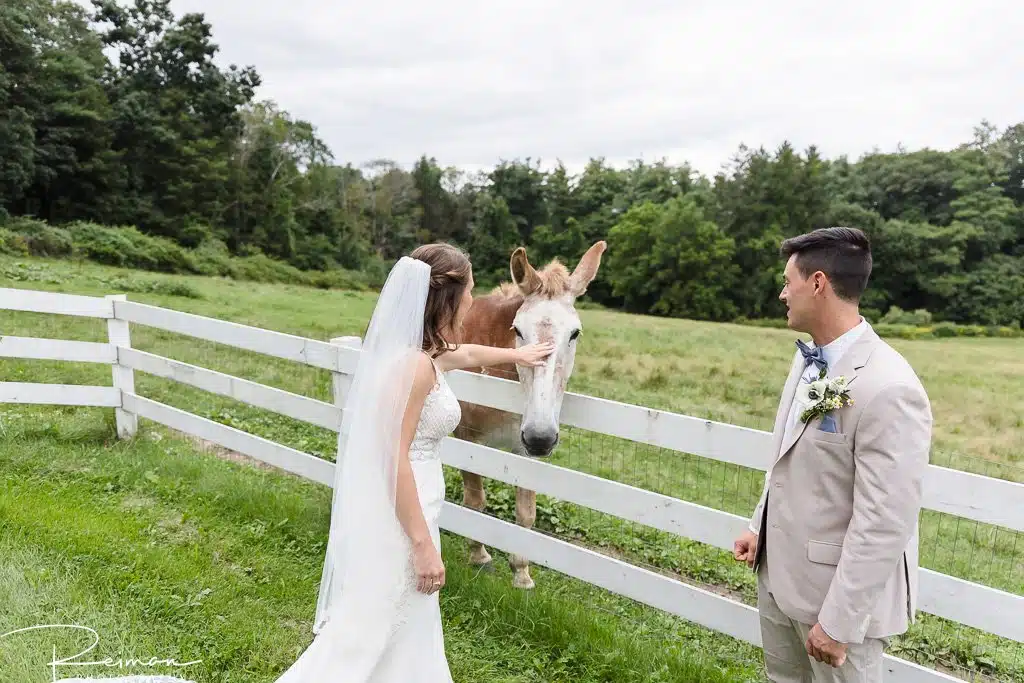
{"type": "Point", "coordinates": [172, 553]}
{"type": "Point", "coordinates": [721, 372]}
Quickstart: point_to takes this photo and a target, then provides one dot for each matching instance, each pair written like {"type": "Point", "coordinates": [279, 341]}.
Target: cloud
{"type": "Point", "coordinates": [471, 83]}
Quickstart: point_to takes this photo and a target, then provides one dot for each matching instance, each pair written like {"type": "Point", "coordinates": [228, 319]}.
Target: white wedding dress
{"type": "Point", "coordinates": [415, 652]}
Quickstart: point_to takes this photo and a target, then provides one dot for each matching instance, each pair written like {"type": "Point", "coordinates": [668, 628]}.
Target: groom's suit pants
{"type": "Point", "coordinates": [785, 653]}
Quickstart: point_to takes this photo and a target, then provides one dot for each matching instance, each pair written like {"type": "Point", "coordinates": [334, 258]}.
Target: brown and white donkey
{"type": "Point", "coordinates": [538, 306]}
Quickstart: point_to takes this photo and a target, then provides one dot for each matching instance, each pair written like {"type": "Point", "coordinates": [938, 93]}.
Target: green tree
{"type": "Point", "coordinates": [334, 227]}
{"type": "Point", "coordinates": [669, 259]}
{"type": "Point", "coordinates": [521, 185]}
{"type": "Point", "coordinates": [269, 188]}
{"type": "Point", "coordinates": [18, 98]}
{"type": "Point", "coordinates": [559, 198]}
{"type": "Point", "coordinates": [761, 200]}
{"type": "Point", "coordinates": [1012, 145]}
{"type": "Point", "coordinates": [393, 209]}
{"type": "Point", "coordinates": [909, 186]}
{"type": "Point", "coordinates": [658, 182]}
{"type": "Point", "coordinates": [991, 294]}
{"type": "Point", "coordinates": [54, 124]}
{"type": "Point", "coordinates": [175, 116]}
{"type": "Point", "coordinates": [599, 196]}
{"type": "Point", "coordinates": [493, 239]}
{"type": "Point", "coordinates": [434, 202]}
{"type": "Point", "coordinates": [983, 209]}
{"type": "Point", "coordinates": [565, 242]}
{"type": "Point", "coordinates": [918, 264]}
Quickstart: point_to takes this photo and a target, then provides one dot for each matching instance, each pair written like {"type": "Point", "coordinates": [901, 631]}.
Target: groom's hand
{"type": "Point", "coordinates": [744, 547]}
{"type": "Point", "coordinates": [820, 646]}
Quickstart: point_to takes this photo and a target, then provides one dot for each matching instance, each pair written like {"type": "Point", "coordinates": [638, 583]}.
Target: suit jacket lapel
{"type": "Point", "coordinates": [794, 436]}
{"type": "Point", "coordinates": [782, 415]}
{"type": "Point", "coordinates": [854, 359]}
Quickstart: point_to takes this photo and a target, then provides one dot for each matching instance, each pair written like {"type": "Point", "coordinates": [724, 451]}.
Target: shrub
{"type": "Point", "coordinates": [262, 268]}
{"type": "Point", "coordinates": [902, 331]}
{"type": "Point", "coordinates": [897, 316]}
{"type": "Point", "coordinates": [314, 253]}
{"type": "Point", "coordinates": [12, 243]}
{"type": "Point", "coordinates": [335, 279]}
{"type": "Point", "coordinates": [194, 234]}
{"type": "Point", "coordinates": [41, 238]}
{"type": "Point", "coordinates": [872, 315]}
{"type": "Point", "coordinates": [945, 330]}
{"type": "Point", "coordinates": [154, 286]}
{"type": "Point", "coordinates": [971, 330]}
{"type": "Point", "coordinates": [375, 271]}
{"type": "Point", "coordinates": [213, 258]}
{"type": "Point", "coordinates": [127, 247]}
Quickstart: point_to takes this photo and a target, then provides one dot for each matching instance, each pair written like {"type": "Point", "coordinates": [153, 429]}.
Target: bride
{"type": "Point", "coordinates": [378, 618]}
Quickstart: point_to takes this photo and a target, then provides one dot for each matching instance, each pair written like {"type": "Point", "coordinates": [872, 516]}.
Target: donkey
{"type": "Point", "coordinates": [537, 306]}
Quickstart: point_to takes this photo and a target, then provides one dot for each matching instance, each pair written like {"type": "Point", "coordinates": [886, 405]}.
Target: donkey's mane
{"type": "Point", "coordinates": [554, 281]}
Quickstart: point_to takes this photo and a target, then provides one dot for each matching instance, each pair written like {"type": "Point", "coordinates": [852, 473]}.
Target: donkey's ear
{"type": "Point", "coordinates": [586, 269]}
{"type": "Point", "coordinates": [523, 274]}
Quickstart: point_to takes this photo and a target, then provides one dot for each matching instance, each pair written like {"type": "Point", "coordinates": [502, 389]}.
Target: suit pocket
{"type": "Point", "coordinates": [831, 437]}
{"type": "Point", "coordinates": [824, 552]}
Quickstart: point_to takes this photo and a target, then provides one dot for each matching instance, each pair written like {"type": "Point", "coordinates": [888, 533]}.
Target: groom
{"type": "Point", "coordinates": [834, 537]}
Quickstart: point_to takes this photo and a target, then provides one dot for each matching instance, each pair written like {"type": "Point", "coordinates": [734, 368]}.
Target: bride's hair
{"type": "Point", "coordinates": [450, 269]}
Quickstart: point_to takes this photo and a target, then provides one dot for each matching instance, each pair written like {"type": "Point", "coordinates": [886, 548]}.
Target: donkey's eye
{"type": "Point", "coordinates": [575, 335]}
{"type": "Point", "coordinates": [518, 333]}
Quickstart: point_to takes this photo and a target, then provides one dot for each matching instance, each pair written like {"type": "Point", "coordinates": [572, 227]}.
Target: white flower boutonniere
{"type": "Point", "coordinates": [822, 396]}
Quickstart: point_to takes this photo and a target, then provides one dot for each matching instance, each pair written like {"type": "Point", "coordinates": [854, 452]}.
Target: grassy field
{"type": "Point", "coordinates": [169, 551]}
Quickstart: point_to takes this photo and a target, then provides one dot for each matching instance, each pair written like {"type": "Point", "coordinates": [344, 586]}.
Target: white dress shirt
{"type": "Point", "coordinates": [832, 351]}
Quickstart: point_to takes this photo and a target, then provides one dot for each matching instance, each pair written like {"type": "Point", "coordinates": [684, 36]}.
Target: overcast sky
{"type": "Point", "coordinates": [473, 82]}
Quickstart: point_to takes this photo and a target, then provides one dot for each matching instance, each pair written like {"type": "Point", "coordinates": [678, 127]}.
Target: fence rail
{"type": "Point", "coordinates": [34, 301]}
{"type": "Point", "coordinates": [264, 450]}
{"type": "Point", "coordinates": [971, 496]}
{"type": "Point", "coordinates": [57, 349]}
{"type": "Point", "coordinates": [59, 394]}
{"type": "Point", "coordinates": [295, 406]}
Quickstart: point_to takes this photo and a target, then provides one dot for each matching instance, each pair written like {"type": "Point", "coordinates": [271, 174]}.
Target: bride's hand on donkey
{"type": "Point", "coordinates": [533, 355]}
{"type": "Point", "coordinates": [429, 568]}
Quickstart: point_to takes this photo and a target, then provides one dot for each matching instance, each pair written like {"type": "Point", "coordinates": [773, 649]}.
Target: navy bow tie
{"type": "Point", "coordinates": [815, 355]}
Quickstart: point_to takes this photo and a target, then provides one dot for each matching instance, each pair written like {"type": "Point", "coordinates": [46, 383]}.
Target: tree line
{"type": "Point", "coordinates": [159, 137]}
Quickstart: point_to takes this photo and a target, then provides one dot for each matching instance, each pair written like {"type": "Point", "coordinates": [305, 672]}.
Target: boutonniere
{"type": "Point", "coordinates": [822, 396]}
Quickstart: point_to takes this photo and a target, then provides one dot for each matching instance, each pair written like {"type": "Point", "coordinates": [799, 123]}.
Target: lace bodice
{"type": "Point", "coordinates": [441, 415]}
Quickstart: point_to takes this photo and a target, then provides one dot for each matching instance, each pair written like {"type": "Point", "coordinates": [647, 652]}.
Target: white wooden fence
{"type": "Point", "coordinates": [966, 495]}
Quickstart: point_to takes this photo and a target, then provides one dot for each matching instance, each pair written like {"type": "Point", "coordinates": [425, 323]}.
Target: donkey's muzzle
{"type": "Point", "coordinates": [539, 442]}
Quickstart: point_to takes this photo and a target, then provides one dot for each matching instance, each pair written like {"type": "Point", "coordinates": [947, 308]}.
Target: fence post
{"type": "Point", "coordinates": [341, 381]}
{"type": "Point", "coordinates": [124, 378]}
{"type": "Point", "coordinates": [340, 384]}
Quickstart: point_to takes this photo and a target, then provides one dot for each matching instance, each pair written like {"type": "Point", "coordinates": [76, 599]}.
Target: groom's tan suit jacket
{"type": "Point", "coordinates": [837, 522]}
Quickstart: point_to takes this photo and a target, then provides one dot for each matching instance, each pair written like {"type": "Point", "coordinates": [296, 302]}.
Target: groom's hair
{"type": "Point", "coordinates": [843, 254]}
